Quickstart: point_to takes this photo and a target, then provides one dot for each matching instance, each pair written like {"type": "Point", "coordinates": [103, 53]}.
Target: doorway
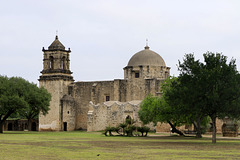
{"type": "Point", "coordinates": [65, 126]}
{"type": "Point", "coordinates": [10, 127]}
{"type": "Point", "coordinates": [34, 126]}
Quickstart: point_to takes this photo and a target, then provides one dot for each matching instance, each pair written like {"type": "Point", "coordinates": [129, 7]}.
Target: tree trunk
{"type": "Point", "coordinates": [214, 132]}
{"type": "Point", "coordinates": [2, 120]}
{"type": "Point", "coordinates": [198, 128]}
{"type": "Point", "coordinates": [175, 130]}
{"type": "Point", "coordinates": [1, 126]}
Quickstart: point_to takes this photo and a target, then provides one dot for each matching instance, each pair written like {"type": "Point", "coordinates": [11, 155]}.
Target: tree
{"type": "Point", "coordinates": [212, 87]}
{"type": "Point", "coordinates": [156, 109]}
{"type": "Point", "coordinates": [38, 101]}
{"type": "Point", "coordinates": [16, 97]}
{"type": "Point", "coordinates": [184, 99]}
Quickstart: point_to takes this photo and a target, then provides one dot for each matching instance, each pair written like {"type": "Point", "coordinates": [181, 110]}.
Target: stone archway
{"type": "Point", "coordinates": [34, 126]}
{"type": "Point", "coordinates": [128, 117]}
{"type": "Point", "coordinates": [10, 126]}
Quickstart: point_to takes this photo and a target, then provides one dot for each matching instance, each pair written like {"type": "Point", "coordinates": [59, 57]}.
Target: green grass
{"type": "Point", "coordinates": [84, 145]}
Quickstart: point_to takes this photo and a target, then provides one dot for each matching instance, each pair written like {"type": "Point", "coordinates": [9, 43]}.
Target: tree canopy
{"type": "Point", "coordinates": [156, 109]}
{"type": "Point", "coordinates": [210, 88]}
{"type": "Point", "coordinates": [21, 97]}
{"type": "Point", "coordinates": [202, 89]}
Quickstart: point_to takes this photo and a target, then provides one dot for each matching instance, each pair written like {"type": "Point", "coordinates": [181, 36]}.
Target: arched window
{"type": "Point", "coordinates": [128, 119]}
{"type": "Point", "coordinates": [51, 65]}
{"type": "Point", "coordinates": [64, 63]}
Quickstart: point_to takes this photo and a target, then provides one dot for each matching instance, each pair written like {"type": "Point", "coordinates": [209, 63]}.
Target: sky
{"type": "Point", "coordinates": [104, 34]}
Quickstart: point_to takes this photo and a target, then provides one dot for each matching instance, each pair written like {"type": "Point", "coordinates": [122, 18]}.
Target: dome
{"type": "Point", "coordinates": [56, 44]}
{"type": "Point", "coordinates": [146, 57]}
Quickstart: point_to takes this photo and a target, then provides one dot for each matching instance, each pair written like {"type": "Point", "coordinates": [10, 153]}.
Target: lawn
{"type": "Point", "coordinates": [94, 145]}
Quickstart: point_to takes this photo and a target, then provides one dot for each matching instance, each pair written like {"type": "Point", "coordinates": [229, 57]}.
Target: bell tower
{"type": "Point", "coordinates": [56, 76]}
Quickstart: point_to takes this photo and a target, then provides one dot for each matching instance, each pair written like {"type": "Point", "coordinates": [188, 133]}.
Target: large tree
{"type": "Point", "coordinates": [16, 96]}
{"type": "Point", "coordinates": [156, 109]}
{"type": "Point", "coordinates": [38, 101]}
{"type": "Point", "coordinates": [182, 95]}
{"type": "Point", "coordinates": [212, 87]}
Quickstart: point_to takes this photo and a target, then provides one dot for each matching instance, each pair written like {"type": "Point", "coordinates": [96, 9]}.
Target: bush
{"type": "Point", "coordinates": [143, 129]}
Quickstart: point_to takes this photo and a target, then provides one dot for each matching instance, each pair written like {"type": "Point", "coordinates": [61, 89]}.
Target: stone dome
{"type": "Point", "coordinates": [56, 45]}
{"type": "Point", "coordinates": [146, 57]}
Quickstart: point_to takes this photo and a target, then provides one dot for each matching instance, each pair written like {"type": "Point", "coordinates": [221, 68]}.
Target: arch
{"type": "Point", "coordinates": [64, 63]}
{"type": "Point", "coordinates": [10, 126]}
{"type": "Point", "coordinates": [128, 117]}
{"type": "Point", "coordinates": [51, 62]}
{"type": "Point", "coordinates": [34, 126]}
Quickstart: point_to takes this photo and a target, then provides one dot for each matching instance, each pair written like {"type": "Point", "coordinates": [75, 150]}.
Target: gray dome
{"type": "Point", "coordinates": [146, 57]}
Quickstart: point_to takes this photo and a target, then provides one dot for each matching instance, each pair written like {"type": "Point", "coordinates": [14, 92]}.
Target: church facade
{"type": "Point", "coordinates": [94, 105]}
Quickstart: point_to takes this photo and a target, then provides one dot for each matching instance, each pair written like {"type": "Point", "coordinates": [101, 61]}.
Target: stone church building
{"type": "Point", "coordinates": [94, 105]}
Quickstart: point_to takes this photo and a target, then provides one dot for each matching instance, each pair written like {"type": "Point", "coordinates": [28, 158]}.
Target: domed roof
{"type": "Point", "coordinates": [146, 57]}
{"type": "Point", "coordinates": [56, 44]}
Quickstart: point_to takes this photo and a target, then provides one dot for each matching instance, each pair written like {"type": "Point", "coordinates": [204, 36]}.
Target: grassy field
{"type": "Point", "coordinates": [84, 145]}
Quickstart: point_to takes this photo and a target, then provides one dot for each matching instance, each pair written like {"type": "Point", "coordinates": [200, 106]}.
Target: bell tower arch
{"type": "Point", "coordinates": [56, 76]}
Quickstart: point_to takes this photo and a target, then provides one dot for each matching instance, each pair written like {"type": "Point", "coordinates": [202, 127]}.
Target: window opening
{"type": "Point", "coordinates": [107, 98]}
{"type": "Point", "coordinates": [136, 74]}
{"type": "Point", "coordinates": [51, 62]}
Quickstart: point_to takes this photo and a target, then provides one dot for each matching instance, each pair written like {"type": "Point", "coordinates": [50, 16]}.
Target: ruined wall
{"type": "Point", "coordinates": [111, 113]}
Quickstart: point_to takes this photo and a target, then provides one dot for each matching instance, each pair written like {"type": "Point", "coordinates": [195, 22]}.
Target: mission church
{"type": "Point", "coordinates": [94, 105]}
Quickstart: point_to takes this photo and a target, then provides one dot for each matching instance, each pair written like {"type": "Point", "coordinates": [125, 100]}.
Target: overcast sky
{"type": "Point", "coordinates": [104, 34]}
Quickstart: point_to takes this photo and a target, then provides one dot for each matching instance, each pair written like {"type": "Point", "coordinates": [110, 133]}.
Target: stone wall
{"type": "Point", "coordinates": [146, 72]}
{"type": "Point", "coordinates": [84, 92]}
{"type": "Point", "coordinates": [57, 89]}
{"type": "Point", "coordinates": [111, 113]}
{"type": "Point", "coordinates": [68, 113]}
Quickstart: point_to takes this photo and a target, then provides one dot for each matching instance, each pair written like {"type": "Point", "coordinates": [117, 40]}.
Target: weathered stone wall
{"type": "Point", "coordinates": [111, 113]}
{"type": "Point", "coordinates": [51, 121]}
{"type": "Point", "coordinates": [56, 60]}
{"type": "Point", "coordinates": [68, 113]}
{"type": "Point", "coordinates": [84, 92]}
{"type": "Point", "coordinates": [138, 89]}
{"type": "Point", "coordinates": [146, 72]}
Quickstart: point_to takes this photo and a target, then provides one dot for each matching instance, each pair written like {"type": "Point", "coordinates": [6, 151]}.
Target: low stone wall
{"type": "Point", "coordinates": [111, 113]}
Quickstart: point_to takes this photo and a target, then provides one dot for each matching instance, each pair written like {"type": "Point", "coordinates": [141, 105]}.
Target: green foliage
{"type": "Point", "coordinates": [127, 129]}
{"type": "Point", "coordinates": [38, 100]}
{"type": "Point", "coordinates": [209, 89]}
{"type": "Point", "coordinates": [158, 109]}
{"type": "Point", "coordinates": [143, 130]}
{"type": "Point", "coordinates": [109, 130]}
{"type": "Point", "coordinates": [21, 98]}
